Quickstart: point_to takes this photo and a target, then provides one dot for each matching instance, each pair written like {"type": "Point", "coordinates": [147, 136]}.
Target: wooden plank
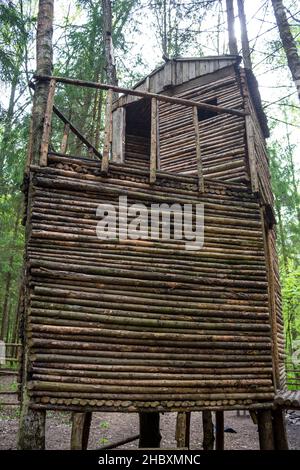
{"type": "Point", "coordinates": [47, 124]}
{"type": "Point", "coordinates": [251, 153]}
{"type": "Point", "coordinates": [118, 135]}
{"type": "Point", "coordinates": [153, 151]}
{"type": "Point", "coordinates": [107, 133]}
{"type": "Point", "coordinates": [198, 151]}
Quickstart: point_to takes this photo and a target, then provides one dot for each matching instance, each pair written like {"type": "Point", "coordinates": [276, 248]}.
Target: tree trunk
{"type": "Point", "coordinates": [32, 422]}
{"type": "Point", "coordinates": [288, 42]}
{"type": "Point", "coordinates": [8, 278]}
{"type": "Point", "coordinates": [230, 22]}
{"type": "Point", "coordinates": [110, 66]}
{"type": "Point", "coordinates": [150, 436]}
{"type": "Point", "coordinates": [208, 430]}
{"type": "Point", "coordinates": [6, 134]}
{"type": "Point", "coordinates": [44, 55]}
{"type": "Point", "coordinates": [32, 432]}
{"type": "Point", "coordinates": [244, 35]}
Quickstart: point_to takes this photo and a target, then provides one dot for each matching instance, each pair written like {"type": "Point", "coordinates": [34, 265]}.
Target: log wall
{"type": "Point", "coordinates": [139, 324]}
{"type": "Point", "coordinates": [222, 138]}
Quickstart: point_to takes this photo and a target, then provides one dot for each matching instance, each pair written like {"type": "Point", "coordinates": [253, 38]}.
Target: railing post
{"type": "Point", "coordinates": [107, 133]}
{"type": "Point", "coordinates": [47, 124]}
{"type": "Point", "coordinates": [153, 151]}
{"type": "Point", "coordinates": [198, 150]}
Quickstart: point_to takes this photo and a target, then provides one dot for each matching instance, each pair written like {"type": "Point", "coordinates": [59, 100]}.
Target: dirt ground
{"type": "Point", "coordinates": [110, 427]}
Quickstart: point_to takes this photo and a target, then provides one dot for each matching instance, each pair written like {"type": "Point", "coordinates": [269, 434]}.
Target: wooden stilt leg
{"type": "Point", "coordinates": [280, 437]}
{"type": "Point", "coordinates": [183, 429]}
{"type": "Point", "coordinates": [150, 436]}
{"type": "Point", "coordinates": [265, 429]}
{"type": "Point", "coordinates": [81, 423]}
{"type": "Point", "coordinates": [219, 430]}
{"type": "Point", "coordinates": [208, 430]}
{"type": "Point", "coordinates": [32, 429]}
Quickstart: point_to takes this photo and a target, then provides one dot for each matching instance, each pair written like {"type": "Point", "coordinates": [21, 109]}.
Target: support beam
{"type": "Point", "coordinates": [78, 134]}
{"type": "Point", "coordinates": [280, 436]}
{"type": "Point", "coordinates": [265, 430]}
{"type": "Point", "coordinates": [150, 436]}
{"type": "Point", "coordinates": [31, 434]}
{"type": "Point", "coordinates": [153, 150]}
{"type": "Point", "coordinates": [219, 430]}
{"type": "Point", "coordinates": [107, 133]}
{"type": "Point", "coordinates": [81, 423]}
{"type": "Point", "coordinates": [183, 429]}
{"type": "Point", "coordinates": [208, 430]}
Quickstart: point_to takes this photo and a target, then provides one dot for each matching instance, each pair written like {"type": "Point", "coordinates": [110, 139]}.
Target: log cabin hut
{"type": "Point", "coordinates": [143, 325]}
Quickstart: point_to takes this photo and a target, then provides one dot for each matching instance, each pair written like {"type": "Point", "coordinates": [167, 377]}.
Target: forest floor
{"type": "Point", "coordinates": [107, 428]}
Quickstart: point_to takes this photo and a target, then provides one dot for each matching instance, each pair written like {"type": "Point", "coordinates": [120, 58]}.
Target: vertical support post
{"type": "Point", "coordinates": [31, 434]}
{"type": "Point", "coordinates": [81, 423]}
{"type": "Point", "coordinates": [280, 436]}
{"type": "Point", "coordinates": [198, 150]}
{"type": "Point", "coordinates": [47, 124]}
{"type": "Point", "coordinates": [265, 430]}
{"type": "Point", "coordinates": [183, 423]}
{"type": "Point", "coordinates": [64, 142]}
{"type": "Point", "coordinates": [107, 133]}
{"type": "Point", "coordinates": [153, 151]}
{"type": "Point", "coordinates": [251, 153]}
{"type": "Point", "coordinates": [219, 430]}
{"type": "Point", "coordinates": [150, 436]}
{"type": "Point", "coordinates": [208, 430]}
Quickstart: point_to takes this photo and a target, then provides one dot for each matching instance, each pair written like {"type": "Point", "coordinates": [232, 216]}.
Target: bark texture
{"type": "Point", "coordinates": [288, 42]}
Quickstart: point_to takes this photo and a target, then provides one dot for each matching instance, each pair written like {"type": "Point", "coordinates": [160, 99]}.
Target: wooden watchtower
{"type": "Point", "coordinates": [146, 325]}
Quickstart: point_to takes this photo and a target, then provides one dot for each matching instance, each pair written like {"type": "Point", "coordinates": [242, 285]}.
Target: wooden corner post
{"type": "Point", "coordinates": [107, 133]}
{"type": "Point", "coordinates": [153, 151]}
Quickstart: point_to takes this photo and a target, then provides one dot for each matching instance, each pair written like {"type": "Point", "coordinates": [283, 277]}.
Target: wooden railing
{"type": "Point", "coordinates": [105, 157]}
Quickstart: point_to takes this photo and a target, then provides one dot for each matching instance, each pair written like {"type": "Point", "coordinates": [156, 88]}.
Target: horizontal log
{"type": "Point", "coordinates": [142, 94]}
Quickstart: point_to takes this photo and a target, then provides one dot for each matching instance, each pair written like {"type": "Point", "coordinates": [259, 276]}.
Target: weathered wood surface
{"type": "Point", "coordinates": [198, 333]}
{"type": "Point", "coordinates": [222, 139]}
{"type": "Point", "coordinates": [81, 423]}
